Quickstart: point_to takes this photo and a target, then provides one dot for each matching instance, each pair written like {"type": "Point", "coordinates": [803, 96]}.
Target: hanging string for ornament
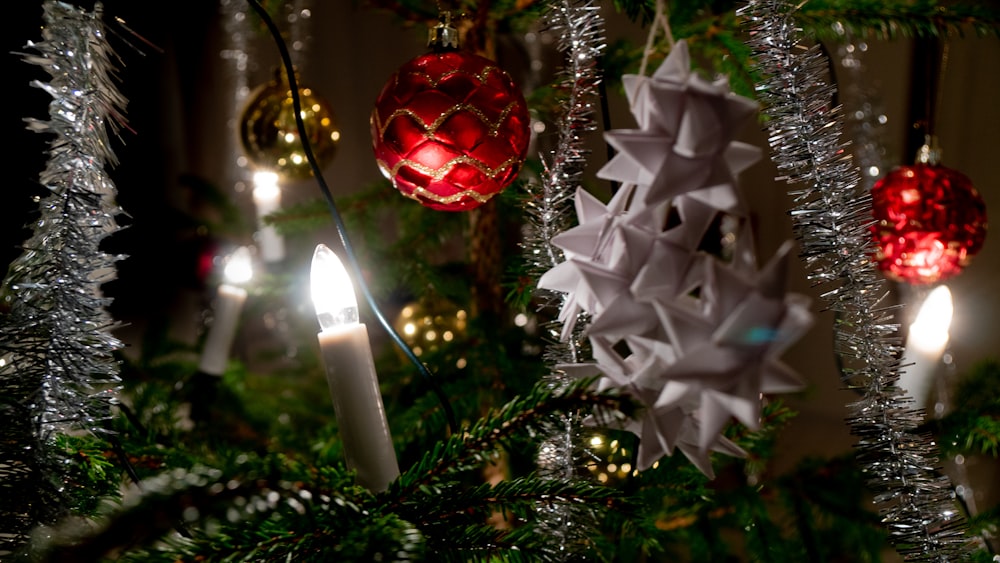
{"type": "Point", "coordinates": [660, 21]}
{"type": "Point", "coordinates": [930, 219]}
{"type": "Point", "coordinates": [347, 246]}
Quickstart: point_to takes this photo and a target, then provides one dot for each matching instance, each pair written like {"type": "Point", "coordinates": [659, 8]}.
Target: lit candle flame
{"type": "Point", "coordinates": [239, 267]}
{"type": "Point", "coordinates": [266, 188]}
{"type": "Point", "coordinates": [332, 290]}
{"type": "Point", "coordinates": [929, 332]}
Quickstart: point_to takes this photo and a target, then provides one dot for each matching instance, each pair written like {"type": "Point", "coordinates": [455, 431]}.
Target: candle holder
{"type": "Point", "coordinates": [350, 373]}
{"type": "Point", "coordinates": [226, 310]}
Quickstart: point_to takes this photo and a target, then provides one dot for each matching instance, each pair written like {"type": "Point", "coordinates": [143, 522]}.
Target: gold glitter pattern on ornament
{"type": "Point", "coordinates": [437, 174]}
{"type": "Point", "coordinates": [482, 76]}
{"type": "Point", "coordinates": [431, 130]}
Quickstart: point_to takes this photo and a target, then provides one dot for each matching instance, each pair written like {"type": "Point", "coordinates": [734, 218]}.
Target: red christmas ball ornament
{"type": "Point", "coordinates": [930, 221]}
{"type": "Point", "coordinates": [450, 129]}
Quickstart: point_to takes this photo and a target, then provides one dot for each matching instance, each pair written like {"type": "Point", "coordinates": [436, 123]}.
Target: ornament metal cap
{"type": "Point", "coordinates": [930, 152]}
{"type": "Point", "coordinates": [443, 35]}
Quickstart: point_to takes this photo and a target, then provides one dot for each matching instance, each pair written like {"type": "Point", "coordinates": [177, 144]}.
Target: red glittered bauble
{"type": "Point", "coordinates": [930, 222]}
{"type": "Point", "coordinates": [450, 130]}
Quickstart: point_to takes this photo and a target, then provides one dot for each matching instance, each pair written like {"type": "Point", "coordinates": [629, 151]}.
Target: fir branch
{"type": "Point", "coordinates": [479, 443]}
{"type": "Point", "coordinates": [825, 19]}
{"type": "Point", "coordinates": [898, 19]}
{"type": "Point", "coordinates": [468, 510]}
{"type": "Point", "coordinates": [228, 517]}
{"type": "Point", "coordinates": [973, 429]}
{"type": "Point", "coordinates": [641, 11]}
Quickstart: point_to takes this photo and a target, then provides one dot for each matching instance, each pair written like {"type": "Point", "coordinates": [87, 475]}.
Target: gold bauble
{"type": "Point", "coordinates": [269, 134]}
{"type": "Point", "coordinates": [433, 325]}
{"type": "Point", "coordinates": [609, 458]}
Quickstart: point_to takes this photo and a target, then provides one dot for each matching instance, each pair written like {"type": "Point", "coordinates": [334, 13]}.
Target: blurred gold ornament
{"type": "Point", "coordinates": [269, 134]}
{"type": "Point", "coordinates": [431, 325]}
{"type": "Point", "coordinates": [610, 460]}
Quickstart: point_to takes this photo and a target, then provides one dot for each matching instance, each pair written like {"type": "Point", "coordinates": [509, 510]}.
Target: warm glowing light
{"type": "Point", "coordinates": [929, 332]}
{"type": "Point", "coordinates": [332, 290]}
{"type": "Point", "coordinates": [239, 267]}
{"type": "Point", "coordinates": [265, 187]}
{"type": "Point", "coordinates": [521, 319]}
{"type": "Point", "coordinates": [596, 441]}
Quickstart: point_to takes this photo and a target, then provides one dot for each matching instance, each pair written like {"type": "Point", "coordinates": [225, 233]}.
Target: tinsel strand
{"type": "Point", "coordinates": [238, 51]}
{"type": "Point", "coordinates": [59, 374]}
{"type": "Point", "coordinates": [831, 217]}
{"type": "Point", "coordinates": [549, 210]}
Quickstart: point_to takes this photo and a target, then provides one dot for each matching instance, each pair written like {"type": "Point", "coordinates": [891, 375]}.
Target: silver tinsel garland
{"type": "Point", "coordinates": [549, 210]}
{"type": "Point", "coordinates": [831, 216]}
{"type": "Point", "coordinates": [59, 374]}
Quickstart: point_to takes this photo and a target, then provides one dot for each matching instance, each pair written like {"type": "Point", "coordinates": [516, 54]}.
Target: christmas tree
{"type": "Point", "coordinates": [510, 286]}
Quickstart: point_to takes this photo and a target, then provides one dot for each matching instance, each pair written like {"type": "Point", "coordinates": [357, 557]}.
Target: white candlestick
{"type": "Point", "coordinates": [925, 343]}
{"type": "Point", "coordinates": [350, 373]}
{"type": "Point", "coordinates": [267, 199]}
{"type": "Point", "coordinates": [226, 314]}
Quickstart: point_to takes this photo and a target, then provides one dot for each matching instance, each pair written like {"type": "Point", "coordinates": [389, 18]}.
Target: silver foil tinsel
{"type": "Point", "coordinates": [549, 210]}
{"type": "Point", "coordinates": [831, 217]}
{"type": "Point", "coordinates": [58, 373]}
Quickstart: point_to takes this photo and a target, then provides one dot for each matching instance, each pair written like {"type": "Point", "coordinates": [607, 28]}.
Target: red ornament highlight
{"type": "Point", "coordinates": [450, 130]}
{"type": "Point", "coordinates": [930, 222]}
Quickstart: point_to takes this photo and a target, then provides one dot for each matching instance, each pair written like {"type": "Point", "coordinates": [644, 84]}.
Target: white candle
{"type": "Point", "coordinates": [267, 199]}
{"type": "Point", "coordinates": [226, 313]}
{"type": "Point", "coordinates": [350, 373]}
{"type": "Point", "coordinates": [925, 343]}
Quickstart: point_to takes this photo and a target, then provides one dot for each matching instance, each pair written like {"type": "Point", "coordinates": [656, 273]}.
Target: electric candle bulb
{"type": "Point", "coordinates": [332, 291]}
{"type": "Point", "coordinates": [227, 308]}
{"type": "Point", "coordinates": [267, 199]}
{"type": "Point", "coordinates": [926, 342]}
{"type": "Point", "coordinates": [350, 373]}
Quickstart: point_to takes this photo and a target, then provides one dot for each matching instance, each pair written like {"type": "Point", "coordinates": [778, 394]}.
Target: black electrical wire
{"type": "Point", "coordinates": [338, 220]}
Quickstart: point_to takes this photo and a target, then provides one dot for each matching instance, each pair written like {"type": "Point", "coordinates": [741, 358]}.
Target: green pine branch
{"type": "Point", "coordinates": [478, 444]}
{"type": "Point", "coordinates": [899, 19]}
{"type": "Point", "coordinates": [973, 429]}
